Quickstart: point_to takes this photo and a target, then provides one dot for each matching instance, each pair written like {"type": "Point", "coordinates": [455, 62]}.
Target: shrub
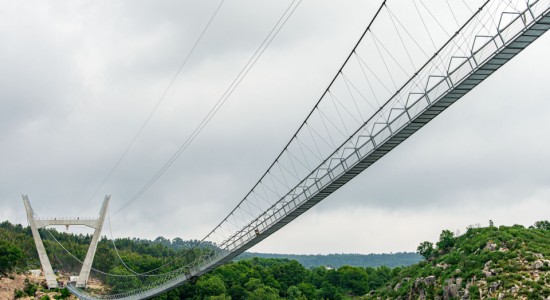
{"type": "Point", "coordinates": [30, 288]}
{"type": "Point", "coordinates": [9, 255]}
{"type": "Point", "coordinates": [474, 292]}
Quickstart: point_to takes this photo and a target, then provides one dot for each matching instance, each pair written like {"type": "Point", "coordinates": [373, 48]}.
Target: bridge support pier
{"type": "Point", "coordinates": [37, 223]}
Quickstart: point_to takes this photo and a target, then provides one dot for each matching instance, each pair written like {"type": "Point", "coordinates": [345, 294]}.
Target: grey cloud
{"type": "Point", "coordinates": [77, 81]}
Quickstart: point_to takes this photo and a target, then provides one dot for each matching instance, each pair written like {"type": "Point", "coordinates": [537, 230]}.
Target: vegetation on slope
{"type": "Point", "coordinates": [267, 278]}
{"type": "Point", "coordinates": [484, 263]}
{"type": "Point", "coordinates": [255, 276]}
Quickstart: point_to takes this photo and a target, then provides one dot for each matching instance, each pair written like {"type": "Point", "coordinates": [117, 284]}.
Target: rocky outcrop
{"type": "Point", "coordinates": [502, 266]}
{"type": "Point", "coordinates": [490, 246]}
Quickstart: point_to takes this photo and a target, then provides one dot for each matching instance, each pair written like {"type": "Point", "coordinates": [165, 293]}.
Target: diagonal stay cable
{"type": "Point", "coordinates": [244, 71]}
{"type": "Point", "coordinates": [252, 61]}
{"type": "Point", "coordinates": [232, 87]}
{"type": "Point", "coordinates": [157, 104]}
{"type": "Point", "coordinates": [307, 117]}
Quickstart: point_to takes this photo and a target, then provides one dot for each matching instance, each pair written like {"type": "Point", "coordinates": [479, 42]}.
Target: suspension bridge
{"type": "Point", "coordinates": [408, 66]}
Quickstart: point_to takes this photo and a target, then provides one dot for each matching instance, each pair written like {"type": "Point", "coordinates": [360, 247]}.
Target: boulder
{"type": "Point", "coordinates": [422, 295]}
{"type": "Point", "coordinates": [537, 264]}
{"type": "Point", "coordinates": [450, 291]}
{"type": "Point", "coordinates": [430, 280]}
{"type": "Point", "coordinates": [490, 246]}
{"type": "Point", "coordinates": [494, 287]}
{"type": "Point", "coordinates": [442, 265]}
{"type": "Point", "coordinates": [397, 286]}
{"type": "Point", "coordinates": [418, 281]}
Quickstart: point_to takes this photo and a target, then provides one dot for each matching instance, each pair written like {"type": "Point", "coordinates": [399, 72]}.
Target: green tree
{"type": "Point", "coordinates": [210, 286]}
{"type": "Point", "coordinates": [263, 292]}
{"type": "Point", "coordinates": [307, 289]}
{"type": "Point", "coordinates": [446, 240]}
{"type": "Point", "coordinates": [474, 292]}
{"type": "Point", "coordinates": [120, 284]}
{"type": "Point", "coordinates": [544, 225]}
{"type": "Point", "coordinates": [9, 255]}
{"type": "Point", "coordinates": [288, 274]}
{"type": "Point", "coordinates": [257, 290]}
{"type": "Point", "coordinates": [354, 279]}
{"type": "Point", "coordinates": [65, 293]}
{"type": "Point", "coordinates": [425, 249]}
{"type": "Point", "coordinates": [237, 292]}
{"type": "Point", "coordinates": [253, 283]}
{"type": "Point", "coordinates": [104, 258]}
{"type": "Point", "coordinates": [378, 277]}
{"type": "Point", "coordinates": [294, 293]}
{"type": "Point", "coordinates": [329, 291]}
{"type": "Point", "coordinates": [30, 288]}
{"type": "Point", "coordinates": [219, 297]}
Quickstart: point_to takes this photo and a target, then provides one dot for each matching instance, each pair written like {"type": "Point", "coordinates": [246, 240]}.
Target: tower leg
{"type": "Point", "coordinates": [44, 260]}
{"type": "Point", "coordinates": [88, 261]}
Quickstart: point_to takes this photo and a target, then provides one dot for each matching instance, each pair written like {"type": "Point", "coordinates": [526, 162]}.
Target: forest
{"type": "Point", "coordinates": [250, 276]}
{"type": "Point", "coordinates": [482, 263]}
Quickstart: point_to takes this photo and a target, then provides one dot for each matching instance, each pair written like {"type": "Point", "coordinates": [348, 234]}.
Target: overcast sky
{"type": "Point", "coordinates": [77, 80]}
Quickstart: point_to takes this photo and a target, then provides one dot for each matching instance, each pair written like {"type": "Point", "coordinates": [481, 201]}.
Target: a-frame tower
{"type": "Point", "coordinates": [36, 223]}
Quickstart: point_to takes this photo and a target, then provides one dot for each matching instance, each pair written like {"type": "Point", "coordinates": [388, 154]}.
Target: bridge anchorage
{"type": "Point", "coordinates": [484, 41]}
{"type": "Point", "coordinates": [37, 223]}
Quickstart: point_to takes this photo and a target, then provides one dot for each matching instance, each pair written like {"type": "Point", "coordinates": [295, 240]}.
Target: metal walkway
{"type": "Point", "coordinates": [405, 113]}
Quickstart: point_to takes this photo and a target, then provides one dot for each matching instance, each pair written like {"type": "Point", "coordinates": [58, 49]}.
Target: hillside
{"type": "Point", "coordinates": [484, 263]}
{"type": "Point", "coordinates": [255, 275]}
{"type": "Point", "coordinates": [506, 262]}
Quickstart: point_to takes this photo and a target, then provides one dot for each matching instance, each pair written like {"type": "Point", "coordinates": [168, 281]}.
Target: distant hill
{"type": "Point", "coordinates": [390, 260]}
